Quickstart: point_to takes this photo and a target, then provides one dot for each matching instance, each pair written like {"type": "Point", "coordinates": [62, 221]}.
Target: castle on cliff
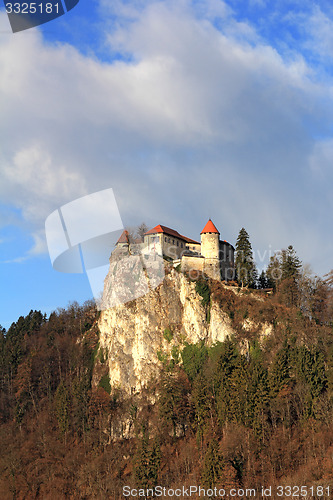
{"type": "Point", "coordinates": [211, 256]}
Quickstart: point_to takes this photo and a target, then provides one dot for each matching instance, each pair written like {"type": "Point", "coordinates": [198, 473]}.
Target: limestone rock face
{"type": "Point", "coordinates": [136, 335]}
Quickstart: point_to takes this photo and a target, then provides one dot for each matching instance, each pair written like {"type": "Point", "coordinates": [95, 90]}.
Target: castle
{"type": "Point", "coordinates": [211, 256]}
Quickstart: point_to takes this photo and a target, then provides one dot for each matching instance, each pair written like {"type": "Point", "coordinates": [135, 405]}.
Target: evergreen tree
{"type": "Point", "coordinates": [63, 408]}
{"type": "Point", "coordinates": [310, 373]}
{"type": "Point", "coordinates": [289, 287]}
{"type": "Point", "coordinates": [245, 265]}
{"type": "Point", "coordinates": [274, 272]}
{"type": "Point", "coordinates": [226, 374]}
{"type": "Point", "coordinates": [203, 403]}
{"type": "Point", "coordinates": [194, 357]}
{"type": "Point", "coordinates": [283, 273]}
{"type": "Point", "coordinates": [174, 406]}
{"type": "Point", "coordinates": [258, 397]}
{"type": "Point", "coordinates": [262, 280]}
{"type": "Point", "coordinates": [279, 373]}
{"type": "Point", "coordinates": [213, 465]}
{"type": "Point", "coordinates": [290, 264]}
{"type": "Point", "coordinates": [147, 462]}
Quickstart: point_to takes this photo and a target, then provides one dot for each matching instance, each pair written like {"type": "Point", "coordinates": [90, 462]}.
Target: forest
{"type": "Point", "coordinates": [244, 413]}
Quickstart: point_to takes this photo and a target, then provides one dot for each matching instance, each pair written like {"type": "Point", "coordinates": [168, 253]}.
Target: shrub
{"type": "Point", "coordinates": [194, 357]}
{"type": "Point", "coordinates": [168, 334]}
{"type": "Point", "coordinates": [175, 353]}
{"type": "Point", "coordinates": [202, 288]}
{"type": "Point", "coordinates": [105, 383]}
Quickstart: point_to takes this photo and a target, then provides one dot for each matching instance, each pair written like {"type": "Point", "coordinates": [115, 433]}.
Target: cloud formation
{"type": "Point", "coordinates": [199, 118]}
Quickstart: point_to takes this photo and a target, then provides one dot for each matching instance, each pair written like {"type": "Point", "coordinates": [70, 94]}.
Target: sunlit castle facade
{"type": "Point", "coordinates": [211, 256]}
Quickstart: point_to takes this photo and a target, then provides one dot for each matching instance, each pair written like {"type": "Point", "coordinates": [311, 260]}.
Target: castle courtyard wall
{"type": "Point", "coordinates": [194, 266]}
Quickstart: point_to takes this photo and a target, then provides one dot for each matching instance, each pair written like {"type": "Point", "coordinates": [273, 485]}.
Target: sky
{"type": "Point", "coordinates": [188, 110]}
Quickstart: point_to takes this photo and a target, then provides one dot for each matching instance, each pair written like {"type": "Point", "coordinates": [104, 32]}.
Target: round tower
{"type": "Point", "coordinates": [210, 238]}
{"type": "Point", "coordinates": [210, 248]}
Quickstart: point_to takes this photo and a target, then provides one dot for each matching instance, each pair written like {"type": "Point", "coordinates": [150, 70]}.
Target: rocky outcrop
{"type": "Point", "coordinates": [136, 336]}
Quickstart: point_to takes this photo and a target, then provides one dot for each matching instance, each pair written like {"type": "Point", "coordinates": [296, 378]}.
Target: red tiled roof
{"type": "Point", "coordinates": [209, 228]}
{"type": "Point", "coordinates": [165, 230]}
{"type": "Point", "coordinates": [124, 237]}
{"type": "Point", "coordinates": [189, 240]}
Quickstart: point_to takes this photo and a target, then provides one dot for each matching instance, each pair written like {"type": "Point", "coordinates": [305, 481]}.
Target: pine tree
{"type": "Point", "coordinates": [279, 373]}
{"type": "Point", "coordinates": [147, 461]}
{"type": "Point", "coordinates": [290, 268]}
{"type": "Point", "coordinates": [203, 401]}
{"type": "Point", "coordinates": [245, 265]}
{"type": "Point", "coordinates": [290, 263]}
{"type": "Point", "coordinates": [310, 373]}
{"type": "Point", "coordinates": [273, 271]}
{"type": "Point", "coordinates": [226, 361]}
{"type": "Point", "coordinates": [63, 408]}
{"type": "Point", "coordinates": [174, 406]}
{"type": "Point", "coordinates": [262, 280]}
{"type": "Point", "coordinates": [213, 465]}
{"type": "Point", "coordinates": [283, 273]}
{"type": "Point", "coordinates": [258, 397]}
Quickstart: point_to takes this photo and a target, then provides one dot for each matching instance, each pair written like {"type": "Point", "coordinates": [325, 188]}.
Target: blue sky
{"type": "Point", "coordinates": [186, 109]}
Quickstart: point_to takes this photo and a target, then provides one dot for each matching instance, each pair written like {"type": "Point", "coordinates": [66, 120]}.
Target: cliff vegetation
{"type": "Point", "coordinates": [195, 383]}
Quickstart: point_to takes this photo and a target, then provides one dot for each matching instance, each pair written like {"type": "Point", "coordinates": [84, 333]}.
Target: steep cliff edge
{"type": "Point", "coordinates": [136, 337]}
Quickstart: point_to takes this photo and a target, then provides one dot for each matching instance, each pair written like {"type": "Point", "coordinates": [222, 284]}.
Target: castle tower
{"type": "Point", "coordinates": [210, 248]}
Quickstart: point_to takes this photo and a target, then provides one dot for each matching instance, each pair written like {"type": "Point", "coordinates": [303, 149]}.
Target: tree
{"type": "Point", "coordinates": [194, 357]}
{"type": "Point", "coordinates": [290, 264]}
{"type": "Point", "coordinates": [213, 465]}
{"type": "Point", "coordinates": [279, 372]}
{"type": "Point", "coordinates": [263, 281]}
{"type": "Point", "coordinates": [227, 372]}
{"type": "Point", "coordinates": [284, 273]}
{"type": "Point", "coordinates": [290, 274]}
{"type": "Point", "coordinates": [174, 405]}
{"type": "Point", "coordinates": [203, 401]}
{"type": "Point", "coordinates": [258, 397]}
{"type": "Point", "coordinates": [141, 230]}
{"type": "Point", "coordinates": [273, 272]}
{"type": "Point", "coordinates": [245, 265]}
{"type": "Point", "coordinates": [63, 408]}
{"type": "Point", "coordinates": [147, 461]}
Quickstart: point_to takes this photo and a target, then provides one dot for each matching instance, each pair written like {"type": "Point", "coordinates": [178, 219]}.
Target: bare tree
{"type": "Point", "coordinates": [141, 230]}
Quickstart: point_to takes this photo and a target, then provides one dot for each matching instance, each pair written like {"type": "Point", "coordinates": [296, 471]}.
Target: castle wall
{"type": "Point", "coordinates": [172, 246]}
{"type": "Point", "coordinates": [192, 265]}
{"type": "Point", "coordinates": [212, 268]}
{"type": "Point", "coordinates": [194, 247]}
{"type": "Point", "coordinates": [226, 258]}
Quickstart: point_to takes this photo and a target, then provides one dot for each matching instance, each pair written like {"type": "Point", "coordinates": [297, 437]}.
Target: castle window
{"type": "Point", "coordinates": [173, 242]}
{"type": "Point", "coordinates": [165, 238]}
{"type": "Point", "coordinates": [181, 245]}
{"type": "Point", "coordinates": [177, 243]}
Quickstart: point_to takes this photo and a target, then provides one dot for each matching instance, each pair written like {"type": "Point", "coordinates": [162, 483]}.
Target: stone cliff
{"type": "Point", "coordinates": [137, 336]}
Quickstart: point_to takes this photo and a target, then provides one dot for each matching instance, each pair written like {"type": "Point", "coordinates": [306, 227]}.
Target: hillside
{"type": "Point", "coordinates": [196, 383]}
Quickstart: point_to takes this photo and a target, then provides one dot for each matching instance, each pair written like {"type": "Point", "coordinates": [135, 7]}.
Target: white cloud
{"type": "Point", "coordinates": [320, 28]}
{"type": "Point", "coordinates": [200, 123]}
